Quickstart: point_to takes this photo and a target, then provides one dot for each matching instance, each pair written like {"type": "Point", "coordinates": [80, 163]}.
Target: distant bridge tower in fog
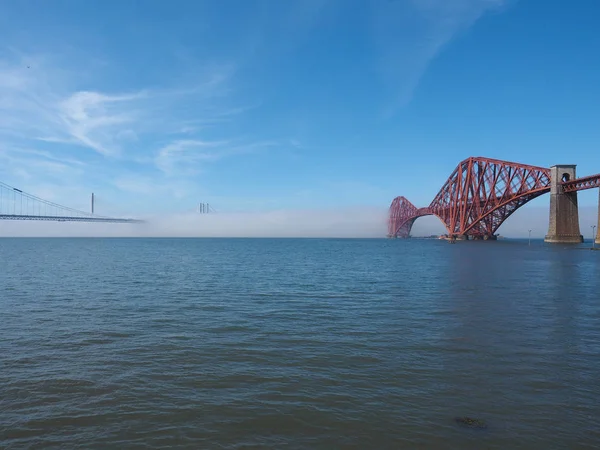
{"type": "Point", "coordinates": [204, 208]}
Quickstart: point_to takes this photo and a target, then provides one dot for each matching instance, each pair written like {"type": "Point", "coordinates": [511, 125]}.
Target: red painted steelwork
{"type": "Point", "coordinates": [402, 216]}
{"type": "Point", "coordinates": [476, 199]}
{"type": "Point", "coordinates": [581, 184]}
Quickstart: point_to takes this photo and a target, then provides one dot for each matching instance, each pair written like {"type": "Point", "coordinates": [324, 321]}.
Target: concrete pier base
{"type": "Point", "coordinates": [485, 237]}
{"type": "Point", "coordinates": [564, 213]}
{"type": "Point", "coordinates": [466, 237]}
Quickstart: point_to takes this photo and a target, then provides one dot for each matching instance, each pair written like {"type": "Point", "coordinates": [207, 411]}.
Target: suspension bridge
{"type": "Point", "coordinates": [481, 193]}
{"type": "Point", "coordinates": [18, 205]}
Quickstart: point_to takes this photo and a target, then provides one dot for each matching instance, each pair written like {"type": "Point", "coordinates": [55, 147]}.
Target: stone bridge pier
{"type": "Point", "coordinates": [564, 212]}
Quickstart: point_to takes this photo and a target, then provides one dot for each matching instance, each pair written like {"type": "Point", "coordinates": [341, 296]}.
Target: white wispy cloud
{"type": "Point", "coordinates": [36, 105]}
{"type": "Point", "coordinates": [29, 163]}
{"type": "Point", "coordinates": [99, 121]}
{"type": "Point", "coordinates": [187, 155]}
{"type": "Point", "coordinates": [50, 127]}
{"type": "Point", "coordinates": [409, 34]}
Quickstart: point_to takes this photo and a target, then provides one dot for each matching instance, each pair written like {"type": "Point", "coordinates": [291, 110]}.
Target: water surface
{"type": "Point", "coordinates": [293, 343]}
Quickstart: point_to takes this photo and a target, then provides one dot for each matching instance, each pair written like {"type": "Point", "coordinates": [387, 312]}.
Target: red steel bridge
{"type": "Point", "coordinates": [18, 205]}
{"type": "Point", "coordinates": [480, 194]}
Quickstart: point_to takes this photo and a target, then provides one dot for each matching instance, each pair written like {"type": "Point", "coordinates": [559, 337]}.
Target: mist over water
{"type": "Point", "coordinates": [351, 222]}
{"type": "Point", "coordinates": [297, 343]}
{"type": "Point", "coordinates": [347, 222]}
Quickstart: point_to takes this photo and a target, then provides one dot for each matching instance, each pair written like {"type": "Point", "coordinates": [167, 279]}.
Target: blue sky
{"type": "Point", "coordinates": [255, 105]}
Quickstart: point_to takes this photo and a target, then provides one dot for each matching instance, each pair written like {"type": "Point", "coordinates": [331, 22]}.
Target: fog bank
{"type": "Point", "coordinates": [349, 222]}
{"type": "Point", "coordinates": [358, 222]}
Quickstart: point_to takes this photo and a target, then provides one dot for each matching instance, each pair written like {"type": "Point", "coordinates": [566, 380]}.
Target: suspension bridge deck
{"type": "Point", "coordinates": [69, 219]}
{"type": "Point", "coordinates": [18, 205]}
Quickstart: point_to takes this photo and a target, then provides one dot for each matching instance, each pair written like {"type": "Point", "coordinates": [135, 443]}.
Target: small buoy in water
{"type": "Point", "coordinates": [470, 422]}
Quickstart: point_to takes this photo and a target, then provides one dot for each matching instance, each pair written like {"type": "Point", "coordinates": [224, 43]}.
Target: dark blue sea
{"type": "Point", "coordinates": [298, 344]}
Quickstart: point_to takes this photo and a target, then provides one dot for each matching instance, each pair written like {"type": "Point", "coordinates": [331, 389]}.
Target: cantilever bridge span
{"type": "Point", "coordinates": [481, 193]}
{"type": "Point", "coordinates": [18, 205]}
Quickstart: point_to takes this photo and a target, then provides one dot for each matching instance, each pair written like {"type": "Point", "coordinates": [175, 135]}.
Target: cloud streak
{"type": "Point", "coordinates": [53, 132]}
{"type": "Point", "coordinates": [97, 120]}
{"type": "Point", "coordinates": [38, 102]}
{"type": "Point", "coordinates": [409, 34]}
{"type": "Point", "coordinates": [187, 153]}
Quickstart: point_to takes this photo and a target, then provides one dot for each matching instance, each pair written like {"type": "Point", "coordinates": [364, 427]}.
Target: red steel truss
{"type": "Point", "coordinates": [480, 195]}
{"type": "Point", "coordinates": [581, 184]}
{"type": "Point", "coordinates": [402, 216]}
{"type": "Point", "coordinates": [476, 199]}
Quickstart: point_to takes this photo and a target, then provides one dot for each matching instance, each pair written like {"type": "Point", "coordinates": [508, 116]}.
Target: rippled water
{"type": "Point", "coordinates": [234, 343]}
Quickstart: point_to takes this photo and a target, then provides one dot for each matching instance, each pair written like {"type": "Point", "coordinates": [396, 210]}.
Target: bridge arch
{"type": "Point", "coordinates": [403, 215]}
{"type": "Point", "coordinates": [404, 229]}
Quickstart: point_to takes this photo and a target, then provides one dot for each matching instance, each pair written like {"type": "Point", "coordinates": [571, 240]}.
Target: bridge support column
{"type": "Point", "coordinates": [484, 237]}
{"type": "Point", "coordinates": [598, 229]}
{"type": "Point", "coordinates": [564, 212]}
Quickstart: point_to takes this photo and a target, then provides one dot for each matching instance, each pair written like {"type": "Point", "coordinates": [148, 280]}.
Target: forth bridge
{"type": "Point", "coordinates": [481, 193]}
